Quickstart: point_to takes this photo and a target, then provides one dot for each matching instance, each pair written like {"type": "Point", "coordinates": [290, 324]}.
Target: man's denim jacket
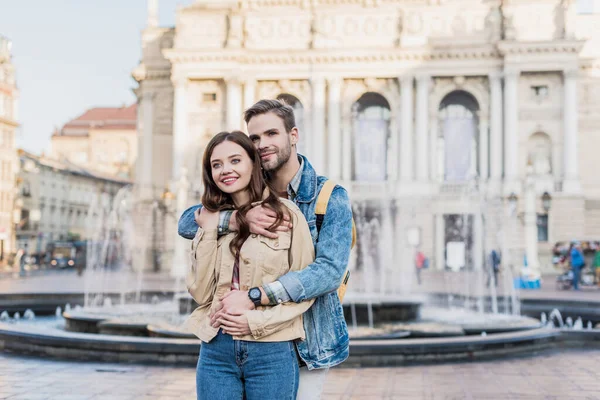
{"type": "Point", "coordinates": [327, 342]}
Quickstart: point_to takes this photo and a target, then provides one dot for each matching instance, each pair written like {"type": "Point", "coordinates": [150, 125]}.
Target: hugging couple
{"type": "Point", "coordinates": [266, 265]}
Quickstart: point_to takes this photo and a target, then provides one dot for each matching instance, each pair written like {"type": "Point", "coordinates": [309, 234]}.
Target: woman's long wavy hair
{"type": "Point", "coordinates": [215, 200]}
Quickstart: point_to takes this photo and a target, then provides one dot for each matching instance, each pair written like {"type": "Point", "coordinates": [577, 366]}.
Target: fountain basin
{"type": "Point", "coordinates": [72, 345]}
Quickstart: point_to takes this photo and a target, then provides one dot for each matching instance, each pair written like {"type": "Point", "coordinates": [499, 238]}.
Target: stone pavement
{"type": "Point", "coordinates": [569, 375]}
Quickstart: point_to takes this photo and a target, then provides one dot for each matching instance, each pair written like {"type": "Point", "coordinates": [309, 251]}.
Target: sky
{"type": "Point", "coordinates": [71, 55]}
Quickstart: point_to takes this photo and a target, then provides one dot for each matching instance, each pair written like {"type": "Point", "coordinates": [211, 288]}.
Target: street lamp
{"type": "Point", "coordinates": [546, 201]}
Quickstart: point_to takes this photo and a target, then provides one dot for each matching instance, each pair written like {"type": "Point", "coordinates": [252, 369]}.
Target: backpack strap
{"type": "Point", "coordinates": [320, 210]}
{"type": "Point", "coordinates": [322, 202]}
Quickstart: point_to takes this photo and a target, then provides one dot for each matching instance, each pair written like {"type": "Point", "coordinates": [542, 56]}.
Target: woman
{"type": "Point", "coordinates": [260, 360]}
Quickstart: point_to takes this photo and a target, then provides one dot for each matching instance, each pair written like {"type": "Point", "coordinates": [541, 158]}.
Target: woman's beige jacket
{"type": "Point", "coordinates": [262, 260]}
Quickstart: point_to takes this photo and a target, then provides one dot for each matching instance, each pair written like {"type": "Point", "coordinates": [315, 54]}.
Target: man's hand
{"type": "Point", "coordinates": [261, 218]}
{"type": "Point", "coordinates": [205, 219]}
{"type": "Point", "coordinates": [233, 303]}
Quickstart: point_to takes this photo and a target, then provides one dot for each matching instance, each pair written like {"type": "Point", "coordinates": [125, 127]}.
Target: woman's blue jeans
{"type": "Point", "coordinates": [229, 369]}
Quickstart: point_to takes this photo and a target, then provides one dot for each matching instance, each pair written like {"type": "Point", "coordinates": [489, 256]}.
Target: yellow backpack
{"type": "Point", "coordinates": [320, 211]}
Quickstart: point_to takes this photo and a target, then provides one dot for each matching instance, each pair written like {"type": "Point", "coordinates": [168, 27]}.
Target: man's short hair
{"type": "Point", "coordinates": [277, 107]}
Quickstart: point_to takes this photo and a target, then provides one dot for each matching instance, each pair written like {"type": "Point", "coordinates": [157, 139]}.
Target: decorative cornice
{"type": "Point", "coordinates": [308, 3]}
{"type": "Point", "coordinates": [562, 46]}
{"type": "Point", "coordinates": [10, 122]}
{"type": "Point", "coordinates": [142, 73]}
{"type": "Point", "coordinates": [250, 56]}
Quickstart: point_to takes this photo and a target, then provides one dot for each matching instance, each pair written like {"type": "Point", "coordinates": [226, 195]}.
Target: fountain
{"type": "Point", "coordinates": [132, 306]}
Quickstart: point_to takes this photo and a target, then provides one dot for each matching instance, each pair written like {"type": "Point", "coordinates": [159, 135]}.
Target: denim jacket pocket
{"type": "Point", "coordinates": [276, 252]}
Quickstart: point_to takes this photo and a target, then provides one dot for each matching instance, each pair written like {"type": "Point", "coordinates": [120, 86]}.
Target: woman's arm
{"type": "Point", "coordinates": [201, 277]}
{"type": "Point", "coordinates": [301, 254]}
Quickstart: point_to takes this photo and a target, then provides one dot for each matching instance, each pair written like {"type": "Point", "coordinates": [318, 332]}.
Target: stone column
{"type": "Point", "coordinates": [180, 126]}
{"type": "Point", "coordinates": [146, 138]}
{"type": "Point", "coordinates": [483, 148]}
{"type": "Point", "coordinates": [440, 262]}
{"type": "Point", "coordinates": [478, 240]}
{"type": "Point", "coordinates": [422, 129]}
{"type": "Point", "coordinates": [433, 147]}
{"type": "Point", "coordinates": [571, 182]}
{"type": "Point", "coordinates": [511, 126]}
{"type": "Point", "coordinates": [347, 149]}
{"type": "Point", "coordinates": [234, 104]}
{"type": "Point", "coordinates": [152, 17]}
{"type": "Point", "coordinates": [249, 93]}
{"type": "Point", "coordinates": [496, 146]}
{"type": "Point", "coordinates": [334, 134]}
{"type": "Point", "coordinates": [318, 125]}
{"type": "Point", "coordinates": [406, 128]}
{"type": "Point", "coordinates": [530, 215]}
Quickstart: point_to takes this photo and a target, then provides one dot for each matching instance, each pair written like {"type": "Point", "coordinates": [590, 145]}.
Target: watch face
{"type": "Point", "coordinates": [255, 293]}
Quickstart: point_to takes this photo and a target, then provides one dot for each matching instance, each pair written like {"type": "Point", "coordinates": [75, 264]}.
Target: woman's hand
{"type": "Point", "coordinates": [205, 219]}
{"type": "Point", "coordinates": [234, 325]}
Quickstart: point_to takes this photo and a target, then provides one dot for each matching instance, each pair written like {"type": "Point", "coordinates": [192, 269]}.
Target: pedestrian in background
{"type": "Point", "coordinates": [597, 266]}
{"type": "Point", "coordinates": [577, 264]}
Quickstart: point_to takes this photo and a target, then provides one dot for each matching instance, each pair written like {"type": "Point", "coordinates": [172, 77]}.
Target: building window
{"type": "Point", "coordinates": [540, 92]}
{"type": "Point", "coordinates": [209, 97]}
{"type": "Point", "coordinates": [542, 227]}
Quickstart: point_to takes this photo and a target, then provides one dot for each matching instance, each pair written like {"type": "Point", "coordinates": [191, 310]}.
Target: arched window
{"type": "Point", "coordinates": [299, 117]}
{"type": "Point", "coordinates": [539, 153]}
{"type": "Point", "coordinates": [371, 133]}
{"type": "Point", "coordinates": [458, 139]}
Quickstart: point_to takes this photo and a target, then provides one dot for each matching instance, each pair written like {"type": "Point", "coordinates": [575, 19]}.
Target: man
{"type": "Point", "coordinates": [493, 268]}
{"type": "Point", "coordinates": [577, 263]}
{"type": "Point", "coordinates": [272, 128]}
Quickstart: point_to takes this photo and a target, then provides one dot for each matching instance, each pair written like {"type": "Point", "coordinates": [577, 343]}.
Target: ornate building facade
{"type": "Point", "coordinates": [8, 157]}
{"type": "Point", "coordinates": [437, 109]}
{"type": "Point", "coordinates": [102, 138]}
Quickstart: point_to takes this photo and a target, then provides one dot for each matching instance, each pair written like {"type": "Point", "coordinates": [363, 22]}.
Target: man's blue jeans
{"type": "Point", "coordinates": [228, 369]}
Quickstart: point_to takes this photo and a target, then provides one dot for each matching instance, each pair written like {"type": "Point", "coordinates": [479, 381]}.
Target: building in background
{"type": "Point", "coordinates": [8, 159]}
{"type": "Point", "coordinates": [103, 139]}
{"type": "Point", "coordinates": [450, 122]}
{"type": "Point", "coordinates": [54, 200]}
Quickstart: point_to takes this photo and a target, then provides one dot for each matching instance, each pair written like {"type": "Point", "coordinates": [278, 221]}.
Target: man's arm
{"type": "Point", "coordinates": [333, 247]}
{"type": "Point", "coordinates": [187, 226]}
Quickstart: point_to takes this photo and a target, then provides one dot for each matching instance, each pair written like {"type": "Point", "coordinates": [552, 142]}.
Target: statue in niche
{"type": "Point", "coordinates": [510, 33]}
{"type": "Point", "coordinates": [539, 159]}
{"type": "Point", "coordinates": [235, 36]}
{"type": "Point", "coordinates": [493, 22]}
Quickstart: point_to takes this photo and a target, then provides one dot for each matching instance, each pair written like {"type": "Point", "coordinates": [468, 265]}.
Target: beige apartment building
{"type": "Point", "coordinates": [8, 125]}
{"type": "Point", "coordinates": [54, 201]}
{"type": "Point", "coordinates": [102, 138]}
{"type": "Point", "coordinates": [449, 122]}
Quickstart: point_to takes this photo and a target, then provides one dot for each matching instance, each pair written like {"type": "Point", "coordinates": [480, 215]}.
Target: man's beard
{"type": "Point", "coordinates": [280, 158]}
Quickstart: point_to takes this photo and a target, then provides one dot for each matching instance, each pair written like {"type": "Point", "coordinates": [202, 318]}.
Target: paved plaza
{"type": "Point", "coordinates": [571, 375]}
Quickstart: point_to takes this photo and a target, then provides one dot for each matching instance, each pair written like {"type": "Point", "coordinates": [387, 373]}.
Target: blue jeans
{"type": "Point", "coordinates": [229, 369]}
{"type": "Point", "coordinates": [576, 277]}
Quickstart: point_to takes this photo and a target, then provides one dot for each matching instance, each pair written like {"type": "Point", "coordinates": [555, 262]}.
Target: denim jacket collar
{"type": "Point", "coordinates": [308, 185]}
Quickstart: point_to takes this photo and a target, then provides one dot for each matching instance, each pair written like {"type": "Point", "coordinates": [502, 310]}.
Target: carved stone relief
{"type": "Point", "coordinates": [209, 29]}
{"type": "Point", "coordinates": [297, 88]}
{"type": "Point", "coordinates": [266, 32]}
{"type": "Point", "coordinates": [356, 29]}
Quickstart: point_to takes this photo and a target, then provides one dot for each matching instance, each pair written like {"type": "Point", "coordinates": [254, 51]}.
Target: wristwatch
{"type": "Point", "coordinates": [255, 296]}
